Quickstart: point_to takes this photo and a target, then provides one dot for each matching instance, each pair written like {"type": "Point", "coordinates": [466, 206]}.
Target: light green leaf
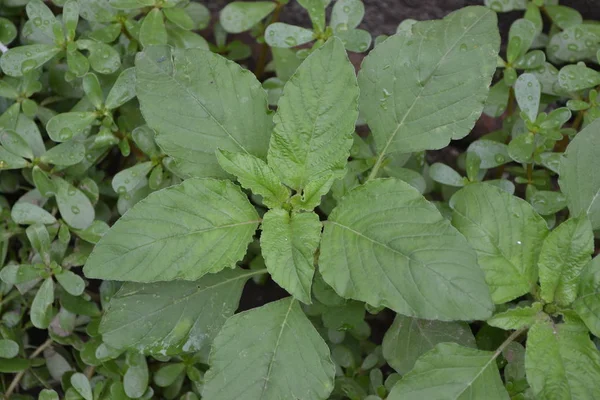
{"type": "Point", "coordinates": [577, 77]}
{"type": "Point", "coordinates": [197, 102]}
{"type": "Point", "coordinates": [15, 143]}
{"type": "Point", "coordinates": [271, 352]}
{"type": "Point", "coordinates": [520, 38]}
{"type": "Point", "coordinates": [71, 282]}
{"type": "Point", "coordinates": [564, 17]}
{"type": "Point", "coordinates": [103, 58]}
{"type": "Point", "coordinates": [506, 5]}
{"type": "Point", "coordinates": [22, 59]}
{"type": "Point", "coordinates": [9, 160]}
{"type": "Point", "coordinates": [452, 372]}
{"type": "Point", "coordinates": [254, 174]}
{"type": "Point", "coordinates": [152, 31]}
{"type": "Point", "coordinates": [437, 89]}
{"type": "Point", "coordinates": [346, 15]}
{"type": "Point", "coordinates": [561, 361]}
{"type": "Point", "coordinates": [521, 148]}
{"type": "Point", "coordinates": [495, 105]}
{"type": "Point", "coordinates": [527, 93]}
{"type": "Point", "coordinates": [587, 304]}
{"type": "Point", "coordinates": [491, 153]}
{"type": "Point", "coordinates": [570, 44]}
{"type": "Point", "coordinates": [506, 234]}
{"type": "Point", "coordinates": [444, 174]}
{"type": "Point", "coordinates": [578, 178]}
{"type": "Point", "coordinates": [516, 318]}
{"type": "Point", "coordinates": [316, 12]}
{"type": "Point", "coordinates": [65, 126]}
{"type": "Point", "coordinates": [128, 179]}
{"type": "Point", "coordinates": [289, 242]}
{"type": "Point", "coordinates": [41, 16]}
{"type": "Point", "coordinates": [182, 232]}
{"type": "Point", "coordinates": [409, 338]}
{"type": "Point", "coordinates": [286, 36]}
{"type": "Point", "coordinates": [48, 394]}
{"type": "Point", "coordinates": [28, 214]}
{"type": "Point", "coordinates": [427, 269]}
{"type": "Point", "coordinates": [240, 16]}
{"type": "Point", "coordinates": [315, 118]}
{"type": "Point", "coordinates": [565, 252]}
{"type": "Point", "coordinates": [172, 317]}
{"type": "Point", "coordinates": [96, 11]}
{"type": "Point", "coordinates": [123, 90]}
{"type": "Point", "coordinates": [41, 307]}
{"type": "Point", "coordinates": [179, 17]}
{"type": "Point", "coordinates": [167, 374]}
{"type": "Point", "coordinates": [135, 380]}
{"type": "Point", "coordinates": [74, 206]}
{"type": "Point", "coordinates": [65, 154]}
{"type": "Point", "coordinates": [185, 39]}
{"type": "Point", "coordinates": [39, 239]}
{"type": "Point", "coordinates": [82, 385]}
{"type": "Point", "coordinates": [312, 193]}
{"type": "Point", "coordinates": [8, 348]}
{"type": "Point", "coordinates": [355, 40]}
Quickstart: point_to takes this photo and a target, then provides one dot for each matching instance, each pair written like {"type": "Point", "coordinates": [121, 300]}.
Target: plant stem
{"type": "Point", "coordinates": [9, 298]}
{"type": "Point", "coordinates": [264, 50]}
{"type": "Point", "coordinates": [3, 48]}
{"type": "Point", "coordinates": [15, 382]}
{"type": "Point", "coordinates": [508, 341]}
{"type": "Point", "coordinates": [529, 173]}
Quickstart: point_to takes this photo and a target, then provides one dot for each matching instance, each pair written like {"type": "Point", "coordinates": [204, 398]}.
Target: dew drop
{"type": "Point", "coordinates": [290, 41]}
{"type": "Point", "coordinates": [28, 65]}
{"type": "Point", "coordinates": [75, 210]}
{"type": "Point", "coordinates": [346, 9]}
{"type": "Point", "coordinates": [463, 47]}
{"type": "Point", "coordinates": [37, 21]}
{"type": "Point", "coordinates": [499, 158]}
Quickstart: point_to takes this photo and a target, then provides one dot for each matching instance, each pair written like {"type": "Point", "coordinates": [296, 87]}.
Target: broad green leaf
{"type": "Point", "coordinates": [528, 92]}
{"type": "Point", "coordinates": [67, 125]}
{"type": "Point", "coordinates": [15, 143]}
{"type": "Point", "coordinates": [102, 57]}
{"type": "Point", "coordinates": [577, 77]}
{"type": "Point", "coordinates": [128, 179]}
{"type": "Point", "coordinates": [185, 39]}
{"type": "Point", "coordinates": [20, 60]}
{"type": "Point", "coordinates": [312, 193]}
{"type": "Point", "coordinates": [565, 252]}
{"type": "Point", "coordinates": [546, 202]}
{"type": "Point", "coordinates": [29, 214]}
{"type": "Point", "coordinates": [271, 352]}
{"type": "Point", "coordinates": [578, 180]}
{"type": "Point", "coordinates": [356, 40]}
{"type": "Point", "coordinates": [426, 270]}
{"type": "Point", "coordinates": [82, 385]}
{"type": "Point", "coordinates": [172, 317]}
{"type": "Point", "coordinates": [41, 307]}
{"type": "Point", "coordinates": [288, 243]}
{"type": "Point", "coordinates": [8, 348]}
{"type": "Point", "coordinates": [9, 160]}
{"type": "Point", "coordinates": [198, 102]}
{"type": "Point", "coordinates": [587, 304]}
{"type": "Point", "coordinates": [286, 36]}
{"type": "Point", "coordinates": [436, 89]}
{"type": "Point", "coordinates": [315, 118]}
{"type": "Point", "coordinates": [41, 16]}
{"type": "Point", "coordinates": [152, 31]}
{"type": "Point", "coordinates": [346, 15]}
{"type": "Point", "coordinates": [254, 174]}
{"type": "Point", "coordinates": [506, 234]}
{"type": "Point", "coordinates": [452, 372]}
{"type": "Point", "coordinates": [28, 129]}
{"type": "Point", "coordinates": [182, 232]}
{"type": "Point", "coordinates": [561, 361]}
{"type": "Point", "coordinates": [240, 16]}
{"type": "Point", "coordinates": [516, 318]}
{"type": "Point", "coordinates": [74, 206]}
{"type": "Point", "coordinates": [123, 90]}
{"type": "Point", "coordinates": [8, 31]}
{"type": "Point", "coordinates": [65, 154]}
{"type": "Point", "coordinates": [409, 338]}
{"type": "Point", "coordinates": [576, 43]}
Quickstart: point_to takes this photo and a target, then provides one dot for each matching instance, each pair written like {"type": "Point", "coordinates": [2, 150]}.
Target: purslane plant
{"type": "Point", "coordinates": [239, 239]}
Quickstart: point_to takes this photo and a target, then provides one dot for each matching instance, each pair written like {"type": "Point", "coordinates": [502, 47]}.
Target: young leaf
{"type": "Point", "coordinates": [93, 90]}
{"type": "Point", "coordinates": [419, 91]}
{"type": "Point", "coordinates": [9, 160]}
{"type": "Point", "coordinates": [409, 338]}
{"type": "Point", "coordinates": [240, 16]}
{"type": "Point", "coordinates": [123, 90]}
{"type": "Point", "coordinates": [128, 179]}
{"type": "Point", "coordinates": [587, 304]}
{"type": "Point", "coordinates": [507, 235]}
{"type": "Point", "coordinates": [103, 58]}
{"type": "Point", "coordinates": [315, 118]}
{"type": "Point", "coordinates": [152, 31]}
{"type": "Point", "coordinates": [316, 11]}
{"type": "Point", "coordinates": [346, 15]}
{"type": "Point", "coordinates": [254, 174]}
{"type": "Point", "coordinates": [565, 253]}
{"type": "Point", "coordinates": [288, 243]}
{"type": "Point", "coordinates": [28, 214]}
{"type": "Point", "coordinates": [172, 317]}
{"type": "Point", "coordinates": [74, 206]}
{"type": "Point", "coordinates": [516, 318]}
{"type": "Point", "coordinates": [8, 348]}
{"type": "Point", "coordinates": [22, 59]}
{"type": "Point", "coordinates": [15, 143]}
{"type": "Point", "coordinates": [451, 371]}
{"type": "Point", "coordinates": [198, 102]}
{"type": "Point", "coordinates": [577, 77]}
{"type": "Point", "coordinates": [446, 175]}
{"type": "Point", "coordinates": [426, 270]}
{"type": "Point", "coordinates": [527, 92]}
{"type": "Point", "coordinates": [65, 126]}
{"type": "Point", "coordinates": [271, 352]}
{"type": "Point", "coordinates": [82, 385]}
{"type": "Point", "coordinates": [41, 307]}
{"type": "Point", "coordinates": [578, 180]}
{"type": "Point", "coordinates": [179, 17]}
{"type": "Point", "coordinates": [64, 154]}
{"type": "Point", "coordinates": [71, 282]}
{"type": "Point", "coordinates": [182, 232]}
{"type": "Point", "coordinates": [561, 361]}
{"type": "Point", "coordinates": [285, 36]}
{"type": "Point", "coordinates": [135, 380]}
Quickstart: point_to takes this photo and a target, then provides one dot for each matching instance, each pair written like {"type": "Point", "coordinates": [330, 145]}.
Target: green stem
{"type": "Point", "coordinates": [9, 298]}
{"type": "Point", "coordinates": [15, 382]}
{"type": "Point", "coordinates": [508, 341]}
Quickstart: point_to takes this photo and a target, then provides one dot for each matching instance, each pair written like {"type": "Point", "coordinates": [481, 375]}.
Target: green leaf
{"type": "Point", "coordinates": [48, 394]}
{"type": "Point", "coordinates": [123, 90]}
{"type": "Point", "coordinates": [152, 31]}
{"type": "Point", "coordinates": [316, 12]}
{"type": "Point", "coordinates": [587, 304]}
{"type": "Point", "coordinates": [39, 239]}
{"type": "Point", "coordinates": [93, 90]}
{"type": "Point", "coordinates": [172, 317]}
{"type": "Point", "coordinates": [444, 174]}
{"type": "Point", "coordinates": [8, 348]}
{"type": "Point", "coordinates": [561, 361]}
{"type": "Point", "coordinates": [9, 160]}
{"type": "Point", "coordinates": [186, 39]}
{"type": "Point", "coordinates": [182, 232]}
{"type": "Point", "coordinates": [179, 17]}
{"type": "Point", "coordinates": [289, 242]}
{"type": "Point", "coordinates": [521, 148]}
{"type": "Point", "coordinates": [135, 380]}
{"type": "Point", "coordinates": [578, 180]}
{"type": "Point", "coordinates": [520, 38]}
{"type": "Point", "coordinates": [570, 44]}
{"type": "Point", "coordinates": [41, 307]}
{"type": "Point", "coordinates": [240, 16]}
{"type": "Point", "coordinates": [427, 269]}
{"type": "Point", "coordinates": [355, 40]}
{"type": "Point", "coordinates": [315, 118]}
{"type": "Point", "coordinates": [74, 206]}
{"type": "Point", "coordinates": [505, 5]}
{"type": "Point", "coordinates": [286, 36]}
{"type": "Point", "coordinates": [564, 17]}
{"type": "Point", "coordinates": [496, 102]}
{"type": "Point", "coordinates": [198, 102]}
{"type": "Point", "coordinates": [409, 338]}
{"type": "Point", "coordinates": [20, 60]}
{"type": "Point", "coordinates": [41, 16]}
{"type": "Point", "coordinates": [67, 125]}
{"type": "Point", "coordinates": [506, 234]}
{"type": "Point", "coordinates": [516, 318]}
{"type": "Point", "coordinates": [14, 365]}
{"type": "Point", "coordinates": [437, 89]}
{"type": "Point", "coordinates": [254, 174]}
{"type": "Point", "coordinates": [452, 372]}
{"type": "Point", "coordinates": [103, 58]}
{"type": "Point", "coordinates": [346, 15]}
{"type": "Point", "coordinates": [82, 385]}
{"type": "Point", "coordinates": [577, 77]}
{"type": "Point", "coordinates": [28, 214]}
{"type": "Point", "coordinates": [128, 179]}
{"type": "Point", "coordinates": [271, 352]}
{"type": "Point", "coordinates": [565, 252]}
{"type": "Point", "coordinates": [527, 93]}
{"type": "Point", "coordinates": [167, 374]}
{"type": "Point", "coordinates": [64, 154]}
{"type": "Point", "coordinates": [15, 143]}
{"type": "Point", "coordinates": [71, 282]}
{"type": "Point", "coordinates": [491, 153]}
